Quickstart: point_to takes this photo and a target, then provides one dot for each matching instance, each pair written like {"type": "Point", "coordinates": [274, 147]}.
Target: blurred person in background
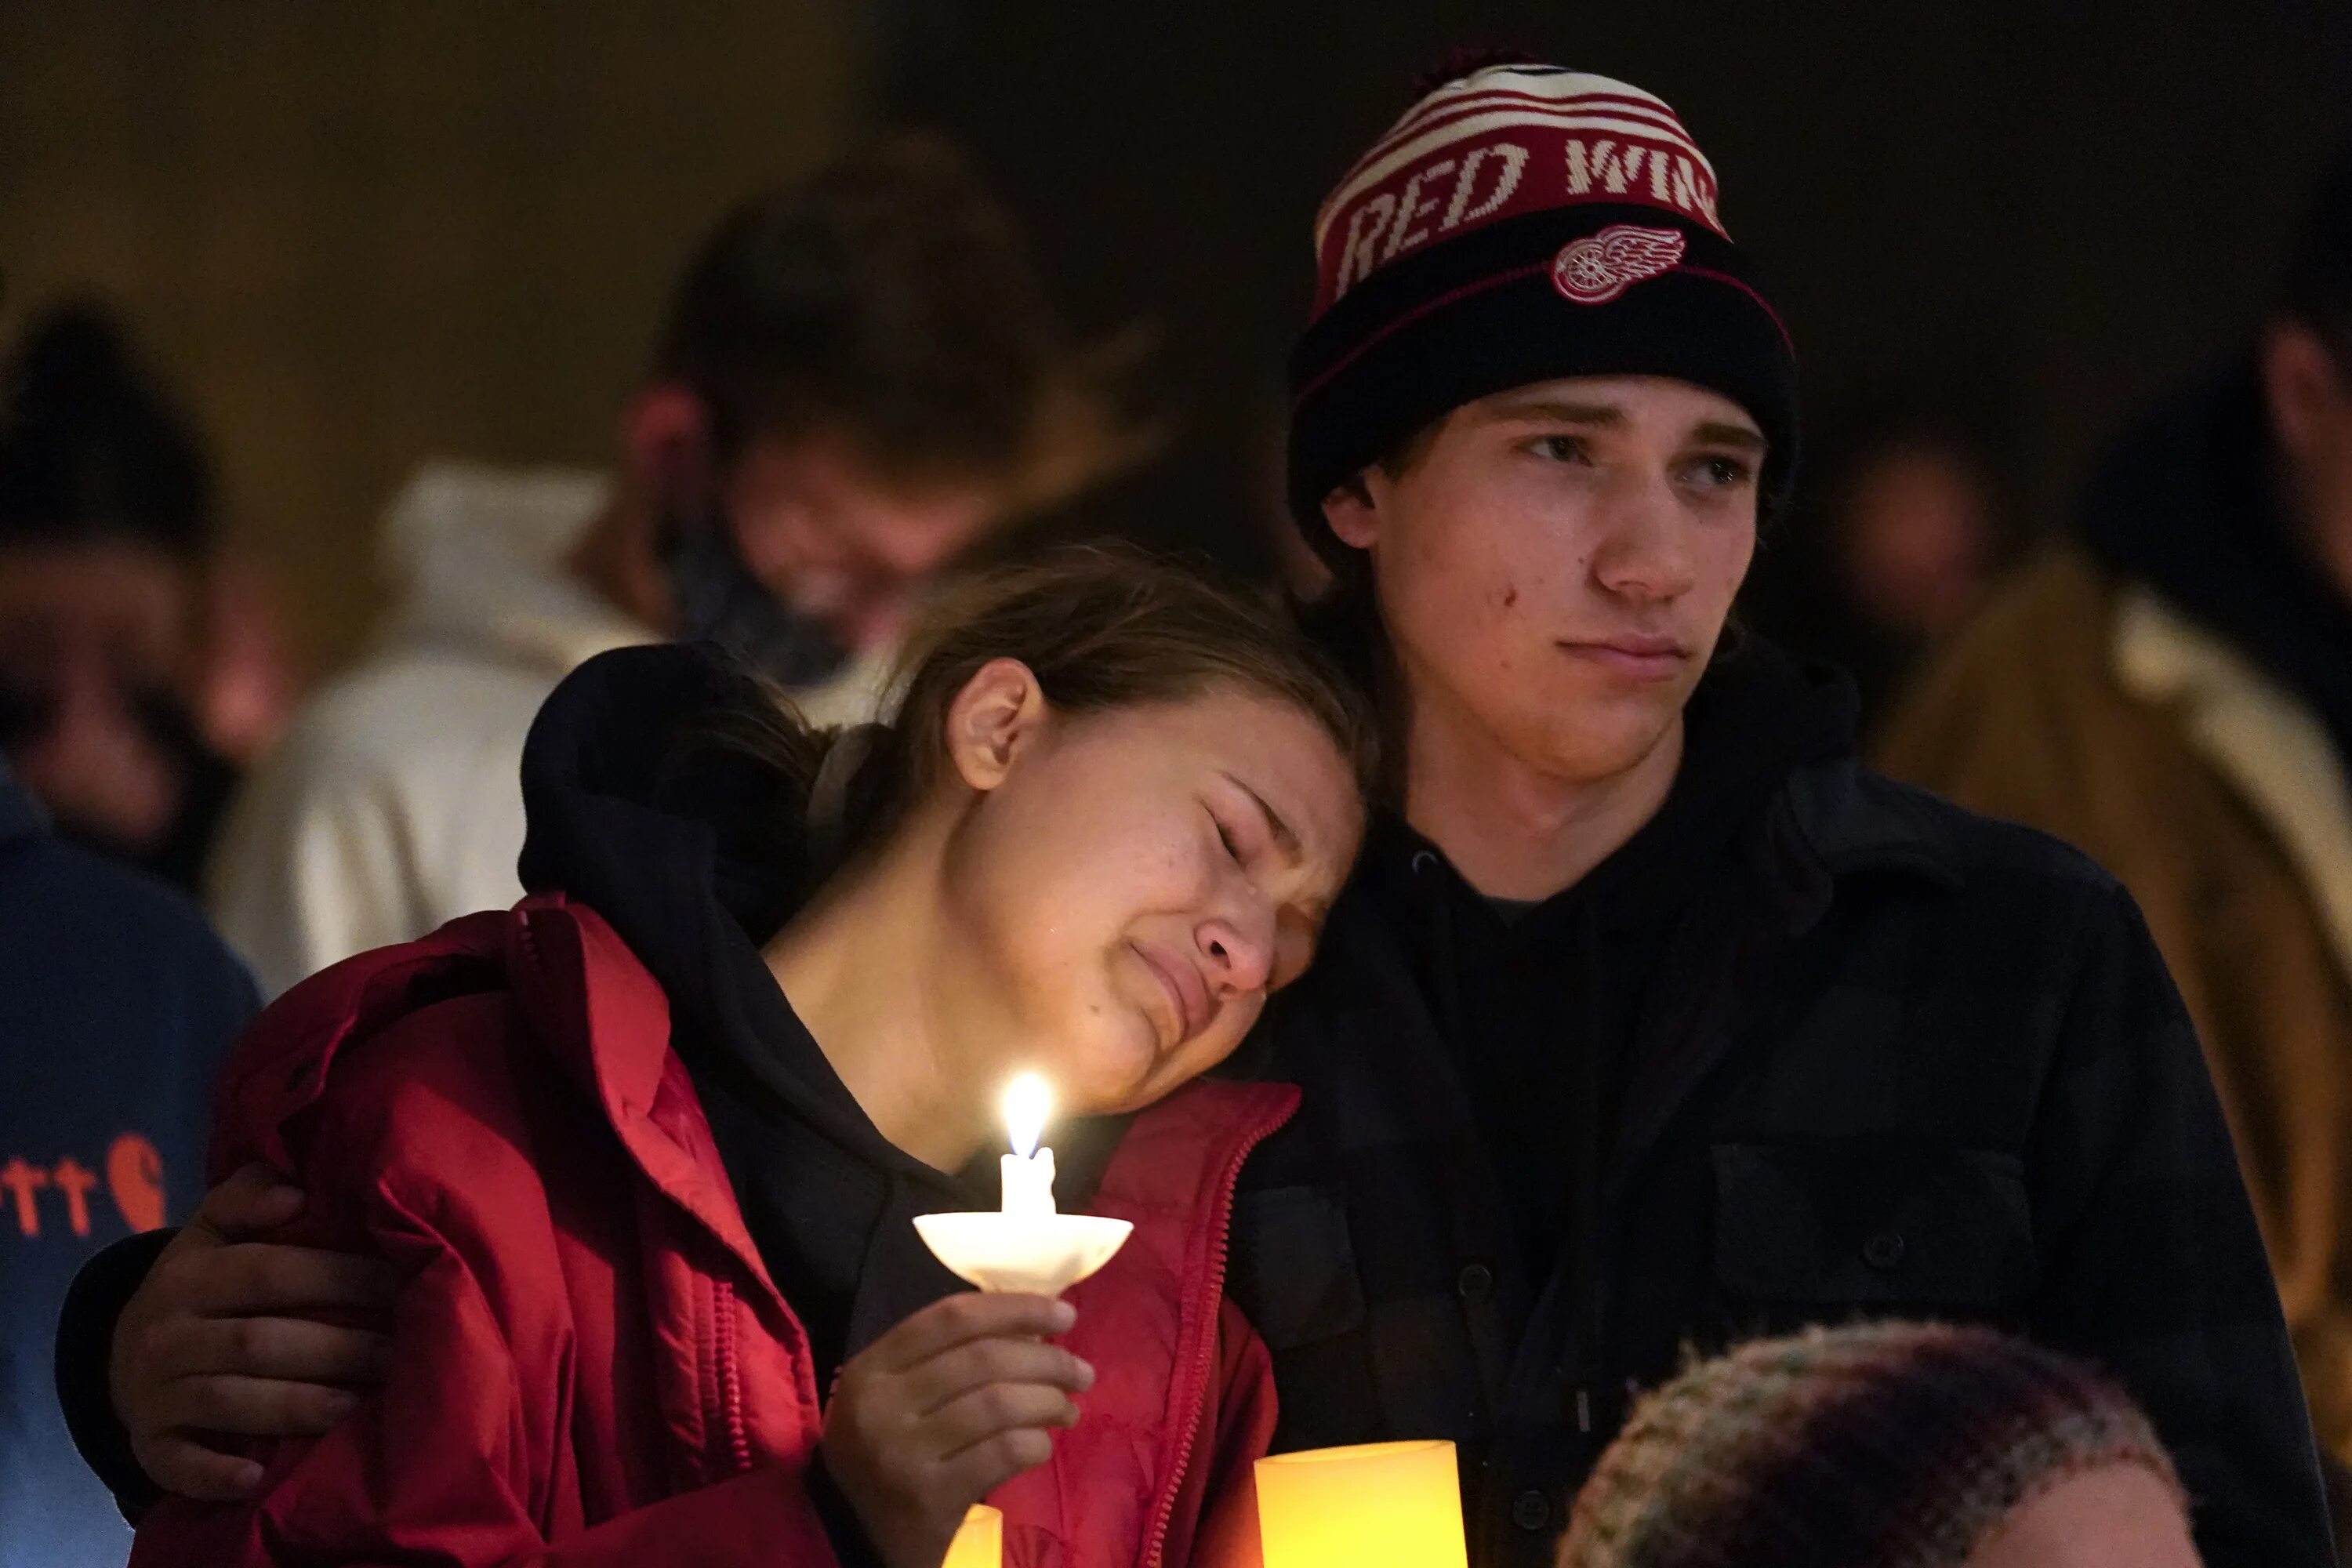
{"type": "Point", "coordinates": [113, 619]}
{"type": "Point", "coordinates": [1906, 543]}
{"type": "Point", "coordinates": [2171, 690]}
{"type": "Point", "coordinates": [859, 380]}
{"type": "Point", "coordinates": [117, 1008]}
{"type": "Point", "coordinates": [1915, 531]}
{"type": "Point", "coordinates": [1884, 1445]}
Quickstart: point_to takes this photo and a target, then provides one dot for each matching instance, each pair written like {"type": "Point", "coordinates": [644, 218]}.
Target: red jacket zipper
{"type": "Point", "coordinates": [1163, 1510]}
{"type": "Point", "coordinates": [730, 1380]}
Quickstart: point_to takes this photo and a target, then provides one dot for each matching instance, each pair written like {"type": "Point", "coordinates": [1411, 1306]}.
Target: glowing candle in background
{"type": "Point", "coordinates": [1028, 1170]}
{"type": "Point", "coordinates": [1396, 1503]}
{"type": "Point", "coordinates": [978, 1541]}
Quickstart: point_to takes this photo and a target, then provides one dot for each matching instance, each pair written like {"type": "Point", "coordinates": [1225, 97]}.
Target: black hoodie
{"type": "Point", "coordinates": [1493, 969]}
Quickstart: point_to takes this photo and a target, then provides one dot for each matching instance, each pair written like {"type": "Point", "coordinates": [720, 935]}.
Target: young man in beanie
{"type": "Point", "coordinates": [1652, 1018]}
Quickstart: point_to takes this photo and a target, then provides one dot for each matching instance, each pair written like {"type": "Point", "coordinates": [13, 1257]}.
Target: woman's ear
{"type": "Point", "coordinates": [1353, 514]}
{"type": "Point", "coordinates": [993, 720]}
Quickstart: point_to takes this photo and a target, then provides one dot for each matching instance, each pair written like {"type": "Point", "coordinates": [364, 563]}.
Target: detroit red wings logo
{"type": "Point", "coordinates": [1599, 267]}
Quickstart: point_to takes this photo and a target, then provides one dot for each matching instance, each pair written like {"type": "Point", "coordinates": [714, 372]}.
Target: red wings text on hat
{"type": "Point", "coordinates": [1502, 141]}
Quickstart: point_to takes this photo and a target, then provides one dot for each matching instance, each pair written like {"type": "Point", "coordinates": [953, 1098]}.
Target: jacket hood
{"type": "Point", "coordinates": [674, 844]}
{"type": "Point", "coordinates": [1761, 714]}
{"type": "Point", "coordinates": [628, 814]}
{"type": "Point", "coordinates": [480, 552]}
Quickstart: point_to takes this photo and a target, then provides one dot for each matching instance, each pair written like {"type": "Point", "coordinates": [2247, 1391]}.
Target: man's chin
{"type": "Point", "coordinates": [1597, 738]}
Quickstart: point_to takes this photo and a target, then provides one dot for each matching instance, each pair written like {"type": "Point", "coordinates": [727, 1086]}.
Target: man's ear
{"type": "Point", "coordinates": [666, 431]}
{"type": "Point", "coordinates": [1352, 513]}
{"type": "Point", "coordinates": [996, 717]}
{"type": "Point", "coordinates": [2301, 385]}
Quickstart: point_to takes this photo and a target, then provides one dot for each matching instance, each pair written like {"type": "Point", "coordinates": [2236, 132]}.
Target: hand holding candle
{"type": "Point", "coordinates": [910, 1466]}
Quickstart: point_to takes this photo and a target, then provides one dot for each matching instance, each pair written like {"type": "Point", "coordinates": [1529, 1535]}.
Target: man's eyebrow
{"type": "Point", "coordinates": [1714, 434]}
{"type": "Point", "coordinates": [1599, 416]}
{"type": "Point", "coordinates": [1283, 835]}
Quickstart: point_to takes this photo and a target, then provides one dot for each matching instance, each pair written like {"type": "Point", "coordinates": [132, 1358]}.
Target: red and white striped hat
{"type": "Point", "coordinates": [1504, 142]}
{"type": "Point", "coordinates": [1522, 223]}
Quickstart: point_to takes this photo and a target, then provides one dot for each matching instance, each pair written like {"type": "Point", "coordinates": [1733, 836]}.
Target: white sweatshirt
{"type": "Point", "coordinates": [394, 803]}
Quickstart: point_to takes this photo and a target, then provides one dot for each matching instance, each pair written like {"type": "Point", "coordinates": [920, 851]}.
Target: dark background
{"type": "Point", "coordinates": [360, 234]}
{"type": "Point", "coordinates": [2032, 215]}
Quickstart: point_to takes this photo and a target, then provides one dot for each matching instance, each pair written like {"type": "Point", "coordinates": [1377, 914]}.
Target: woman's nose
{"type": "Point", "coordinates": [1239, 961]}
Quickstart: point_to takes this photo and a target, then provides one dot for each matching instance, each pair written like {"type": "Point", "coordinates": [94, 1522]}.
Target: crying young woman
{"type": "Point", "coordinates": [649, 1145]}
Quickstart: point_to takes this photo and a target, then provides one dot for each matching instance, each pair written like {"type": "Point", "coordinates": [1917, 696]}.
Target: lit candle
{"type": "Point", "coordinates": [1342, 1507]}
{"type": "Point", "coordinates": [980, 1541]}
{"type": "Point", "coordinates": [1029, 1170]}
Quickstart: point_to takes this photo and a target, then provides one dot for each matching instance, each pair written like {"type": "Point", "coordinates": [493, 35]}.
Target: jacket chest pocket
{"type": "Point", "coordinates": [1873, 1223]}
{"type": "Point", "coordinates": [1293, 1268]}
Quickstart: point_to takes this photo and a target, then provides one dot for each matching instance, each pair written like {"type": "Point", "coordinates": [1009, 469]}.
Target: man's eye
{"type": "Point", "coordinates": [1560, 449]}
{"type": "Point", "coordinates": [1226, 837]}
{"type": "Point", "coordinates": [1724, 471]}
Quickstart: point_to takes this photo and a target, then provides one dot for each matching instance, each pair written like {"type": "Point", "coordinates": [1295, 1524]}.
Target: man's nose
{"type": "Point", "coordinates": [1646, 553]}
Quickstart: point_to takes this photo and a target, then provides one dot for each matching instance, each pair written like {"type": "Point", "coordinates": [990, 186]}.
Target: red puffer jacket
{"type": "Point", "coordinates": [591, 1365]}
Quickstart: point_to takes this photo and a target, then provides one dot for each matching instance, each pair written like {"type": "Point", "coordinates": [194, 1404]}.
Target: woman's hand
{"type": "Point", "coordinates": [943, 1409]}
{"type": "Point", "coordinates": [201, 1349]}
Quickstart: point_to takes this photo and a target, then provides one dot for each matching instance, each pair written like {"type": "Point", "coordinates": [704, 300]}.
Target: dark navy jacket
{"type": "Point", "coordinates": [116, 1004]}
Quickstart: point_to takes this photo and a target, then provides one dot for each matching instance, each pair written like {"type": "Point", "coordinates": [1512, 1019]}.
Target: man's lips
{"type": "Point", "coordinates": [1638, 657]}
{"type": "Point", "coordinates": [1188, 994]}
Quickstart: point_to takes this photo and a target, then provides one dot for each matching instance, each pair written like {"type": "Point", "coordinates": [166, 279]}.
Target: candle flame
{"type": "Point", "coordinates": [1027, 1103]}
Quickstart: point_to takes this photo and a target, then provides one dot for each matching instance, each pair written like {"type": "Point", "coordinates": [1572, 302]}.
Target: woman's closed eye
{"type": "Point", "coordinates": [1226, 836]}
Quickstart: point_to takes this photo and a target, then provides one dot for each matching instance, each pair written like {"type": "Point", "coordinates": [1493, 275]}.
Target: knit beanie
{"type": "Point", "coordinates": [1523, 223]}
{"type": "Point", "coordinates": [1874, 1445]}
